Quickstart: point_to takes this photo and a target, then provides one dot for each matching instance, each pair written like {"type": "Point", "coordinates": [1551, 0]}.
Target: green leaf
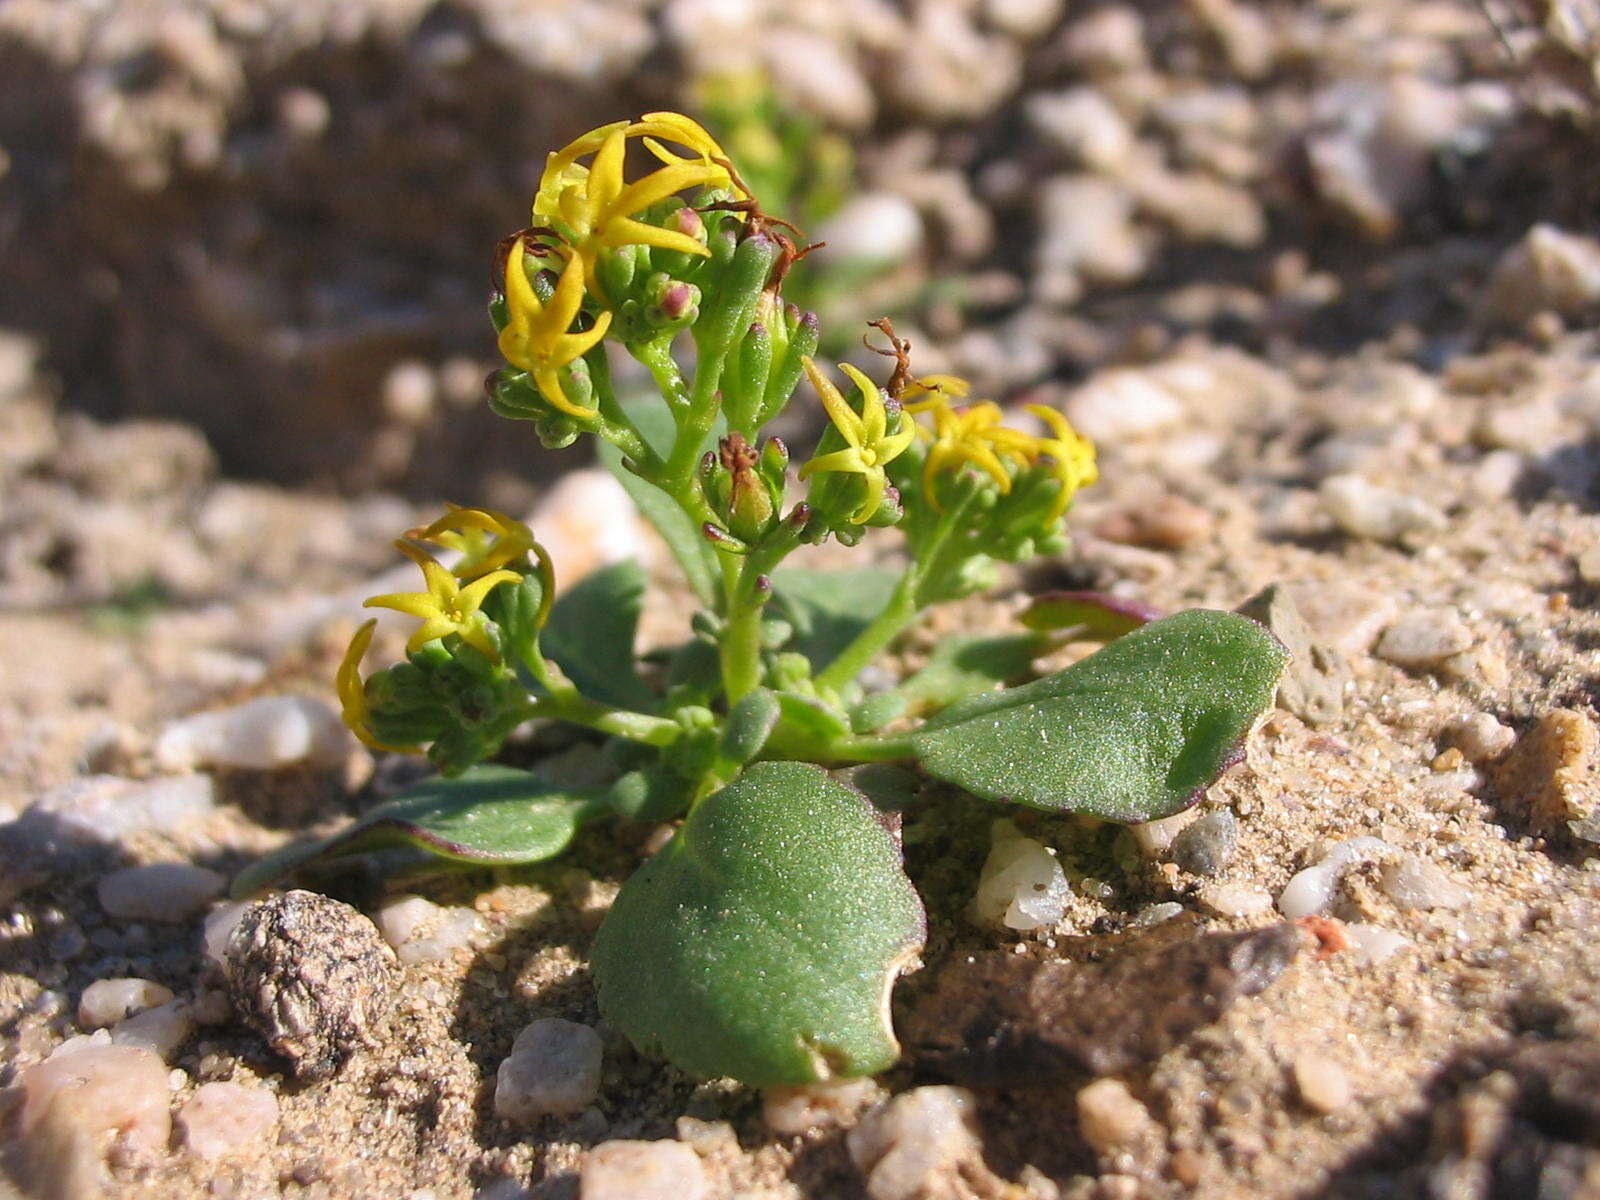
{"type": "Point", "coordinates": [1133, 732]}
{"type": "Point", "coordinates": [761, 942]}
{"type": "Point", "coordinates": [652, 793]}
{"type": "Point", "coordinates": [749, 724]}
{"type": "Point", "coordinates": [961, 666]}
{"type": "Point", "coordinates": [829, 608]}
{"type": "Point", "coordinates": [683, 537]}
{"type": "Point", "coordinates": [489, 815]}
{"type": "Point", "coordinates": [1092, 616]}
{"type": "Point", "coordinates": [591, 631]}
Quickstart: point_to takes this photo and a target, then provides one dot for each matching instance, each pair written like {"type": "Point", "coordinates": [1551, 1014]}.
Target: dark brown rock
{"type": "Point", "coordinates": [313, 977]}
{"type": "Point", "coordinates": [1002, 1019]}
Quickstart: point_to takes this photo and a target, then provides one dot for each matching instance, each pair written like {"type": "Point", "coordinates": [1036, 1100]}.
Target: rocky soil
{"type": "Point", "coordinates": [1320, 280]}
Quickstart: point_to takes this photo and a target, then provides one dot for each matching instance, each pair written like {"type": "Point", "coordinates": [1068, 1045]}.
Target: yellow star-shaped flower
{"type": "Point", "coordinates": [446, 607]}
{"type": "Point", "coordinates": [1072, 454]}
{"type": "Point", "coordinates": [597, 206]}
{"type": "Point", "coordinates": [869, 446]}
{"type": "Point", "coordinates": [353, 693]}
{"type": "Point", "coordinates": [970, 436]}
{"type": "Point", "coordinates": [537, 338]}
{"type": "Point", "coordinates": [486, 540]}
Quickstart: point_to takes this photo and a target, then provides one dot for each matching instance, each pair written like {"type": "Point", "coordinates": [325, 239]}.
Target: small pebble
{"type": "Point", "coordinates": [1322, 1083]}
{"type": "Point", "coordinates": [627, 1170]}
{"type": "Point", "coordinates": [1363, 509]}
{"type": "Point", "coordinates": [166, 892]}
{"type": "Point", "coordinates": [1311, 891]}
{"type": "Point", "coordinates": [1022, 885]}
{"type": "Point", "coordinates": [1234, 900]}
{"type": "Point", "coordinates": [87, 1089]}
{"type": "Point", "coordinates": [223, 1117]}
{"type": "Point", "coordinates": [261, 735]}
{"type": "Point", "coordinates": [553, 1068]}
{"type": "Point", "coordinates": [1371, 944]}
{"type": "Point", "coordinates": [914, 1143]}
{"type": "Point", "coordinates": [1155, 914]}
{"type": "Point", "coordinates": [218, 928]}
{"type": "Point", "coordinates": [1550, 772]}
{"type": "Point", "coordinates": [161, 1030]}
{"type": "Point", "coordinates": [107, 1001]}
{"type": "Point", "coordinates": [791, 1111]}
{"type": "Point", "coordinates": [1414, 884]}
{"type": "Point", "coordinates": [403, 921]}
{"type": "Point", "coordinates": [1111, 1118]}
{"type": "Point", "coordinates": [1153, 837]}
{"type": "Point", "coordinates": [1425, 640]}
{"type": "Point", "coordinates": [1205, 847]}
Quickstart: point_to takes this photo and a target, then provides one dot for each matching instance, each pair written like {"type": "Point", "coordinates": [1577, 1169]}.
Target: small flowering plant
{"type": "Point", "coordinates": [762, 941]}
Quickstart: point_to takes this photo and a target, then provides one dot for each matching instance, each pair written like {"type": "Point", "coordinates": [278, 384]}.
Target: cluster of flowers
{"type": "Point", "coordinates": [612, 260]}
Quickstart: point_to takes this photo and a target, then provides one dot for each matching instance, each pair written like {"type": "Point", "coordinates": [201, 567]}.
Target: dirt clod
{"type": "Point", "coordinates": [312, 977]}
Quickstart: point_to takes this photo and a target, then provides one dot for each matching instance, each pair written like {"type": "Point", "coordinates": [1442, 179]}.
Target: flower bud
{"type": "Point", "coordinates": [670, 303]}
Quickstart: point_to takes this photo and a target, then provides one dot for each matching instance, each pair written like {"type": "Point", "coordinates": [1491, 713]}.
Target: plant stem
{"type": "Point", "coordinates": [568, 705]}
{"type": "Point", "coordinates": [900, 612]}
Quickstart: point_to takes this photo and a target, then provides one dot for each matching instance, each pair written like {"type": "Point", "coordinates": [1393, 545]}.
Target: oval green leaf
{"type": "Point", "coordinates": [762, 942]}
{"type": "Point", "coordinates": [1134, 732]}
{"type": "Point", "coordinates": [492, 815]}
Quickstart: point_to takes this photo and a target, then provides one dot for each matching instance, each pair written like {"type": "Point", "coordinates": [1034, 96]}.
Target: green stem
{"type": "Point", "coordinates": [567, 705]}
{"type": "Point", "coordinates": [900, 612]}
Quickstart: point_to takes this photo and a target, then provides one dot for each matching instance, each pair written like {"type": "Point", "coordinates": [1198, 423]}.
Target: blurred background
{"type": "Point", "coordinates": [247, 242]}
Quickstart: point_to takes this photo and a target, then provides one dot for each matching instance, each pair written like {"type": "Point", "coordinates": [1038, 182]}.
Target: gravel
{"type": "Point", "coordinates": [162, 1030]}
{"type": "Point", "coordinates": [792, 1111]}
{"type": "Point", "coordinates": [1022, 886]}
{"type": "Point", "coordinates": [222, 1118]}
{"type": "Point", "coordinates": [261, 735]}
{"type": "Point", "coordinates": [1366, 510]}
{"type": "Point", "coordinates": [107, 1001]}
{"type": "Point", "coordinates": [632, 1170]}
{"type": "Point", "coordinates": [1111, 1119]}
{"type": "Point", "coordinates": [1207, 846]}
{"type": "Point", "coordinates": [1322, 1083]}
{"type": "Point", "coordinates": [167, 892]}
{"type": "Point", "coordinates": [918, 1143]}
{"type": "Point", "coordinates": [1426, 640]}
{"type": "Point", "coordinates": [553, 1069]}
{"type": "Point", "coordinates": [85, 1099]}
{"type": "Point", "coordinates": [1311, 891]}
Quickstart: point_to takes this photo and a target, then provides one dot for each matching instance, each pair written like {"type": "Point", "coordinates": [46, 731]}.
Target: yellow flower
{"type": "Point", "coordinates": [597, 205]}
{"type": "Point", "coordinates": [537, 338]}
{"type": "Point", "coordinates": [869, 445]}
{"type": "Point", "coordinates": [1071, 452]}
{"type": "Point", "coordinates": [353, 693]}
{"type": "Point", "coordinates": [970, 436]}
{"type": "Point", "coordinates": [446, 607]}
{"type": "Point", "coordinates": [486, 540]}
{"type": "Point", "coordinates": [937, 389]}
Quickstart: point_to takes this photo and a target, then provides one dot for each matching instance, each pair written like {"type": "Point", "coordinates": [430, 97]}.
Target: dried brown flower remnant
{"type": "Point", "coordinates": [313, 977]}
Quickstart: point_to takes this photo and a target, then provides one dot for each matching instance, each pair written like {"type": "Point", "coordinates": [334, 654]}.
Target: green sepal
{"type": "Point", "coordinates": [762, 941]}
{"type": "Point", "coordinates": [489, 816]}
{"type": "Point", "coordinates": [1134, 732]}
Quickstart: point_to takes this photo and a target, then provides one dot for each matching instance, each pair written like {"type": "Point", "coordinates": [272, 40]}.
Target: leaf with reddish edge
{"type": "Point", "coordinates": [493, 815]}
{"type": "Point", "coordinates": [1135, 731]}
{"type": "Point", "coordinates": [1093, 616]}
